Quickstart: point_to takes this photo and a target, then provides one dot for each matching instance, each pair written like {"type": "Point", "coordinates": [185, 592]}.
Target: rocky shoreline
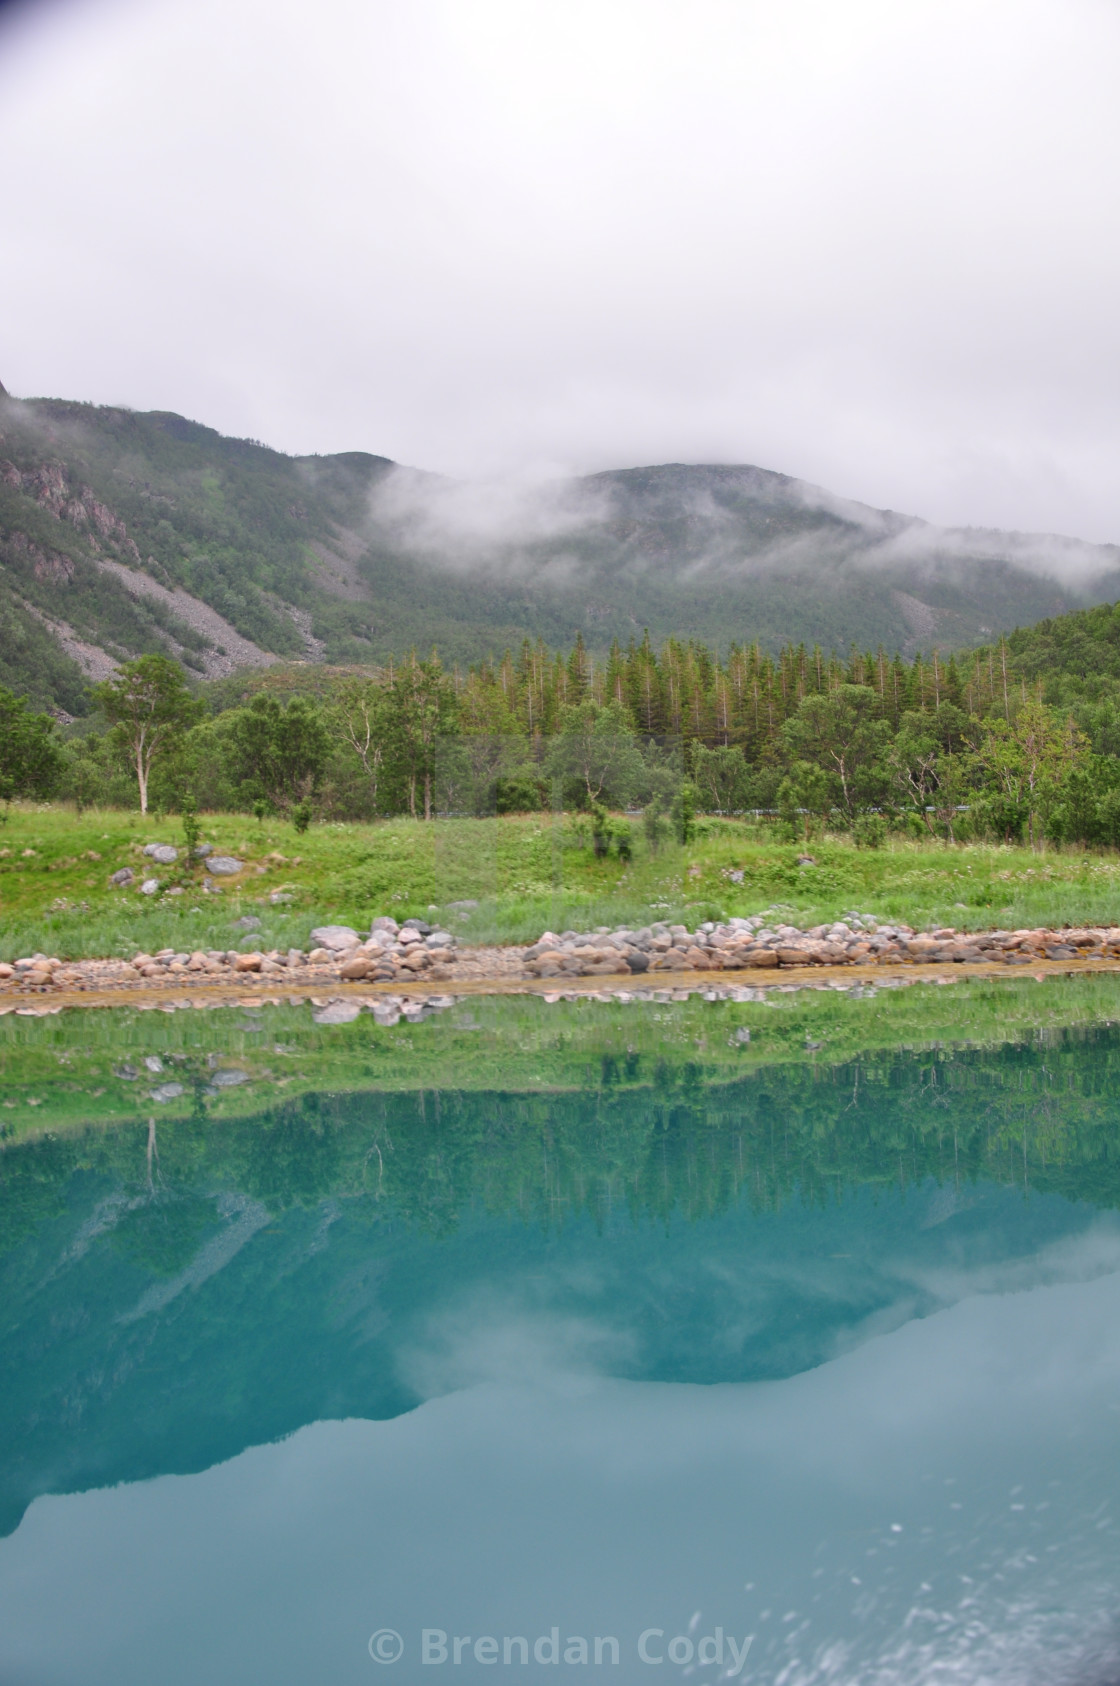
{"type": "Point", "coordinates": [417, 955]}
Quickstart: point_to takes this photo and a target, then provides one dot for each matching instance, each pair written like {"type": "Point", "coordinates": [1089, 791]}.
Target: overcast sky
{"type": "Point", "coordinates": [873, 243]}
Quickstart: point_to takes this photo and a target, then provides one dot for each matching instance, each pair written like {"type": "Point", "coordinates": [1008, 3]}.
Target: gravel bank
{"type": "Point", "coordinates": [416, 954]}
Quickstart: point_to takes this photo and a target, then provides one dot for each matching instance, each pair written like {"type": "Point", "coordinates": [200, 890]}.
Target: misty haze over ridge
{"type": "Point", "coordinates": [122, 531]}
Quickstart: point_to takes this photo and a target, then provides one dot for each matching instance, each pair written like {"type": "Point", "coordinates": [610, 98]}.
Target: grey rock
{"type": "Point", "coordinates": [153, 1062]}
{"type": "Point", "coordinates": [247, 922]}
{"type": "Point", "coordinates": [124, 876]}
{"type": "Point", "coordinates": [164, 854]}
{"type": "Point", "coordinates": [149, 887]}
{"type": "Point", "coordinates": [203, 852]}
{"type": "Point", "coordinates": [439, 939]}
{"type": "Point", "coordinates": [167, 1092]}
{"type": "Point", "coordinates": [420, 926]}
{"type": "Point", "coordinates": [384, 922]}
{"type": "Point", "coordinates": [212, 889]}
{"type": "Point", "coordinates": [278, 898]}
{"type": "Point", "coordinates": [334, 937]}
{"type": "Point", "coordinates": [228, 1079]}
{"type": "Point", "coordinates": [223, 866]}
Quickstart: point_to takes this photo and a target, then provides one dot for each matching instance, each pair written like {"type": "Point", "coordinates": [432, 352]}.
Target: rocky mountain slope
{"type": "Point", "coordinates": [122, 532]}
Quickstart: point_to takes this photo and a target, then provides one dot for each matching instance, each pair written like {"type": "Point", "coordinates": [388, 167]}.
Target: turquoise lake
{"type": "Point", "coordinates": [773, 1338]}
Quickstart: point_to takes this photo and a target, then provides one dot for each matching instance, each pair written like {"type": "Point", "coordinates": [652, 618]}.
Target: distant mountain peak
{"type": "Point", "coordinates": [149, 531]}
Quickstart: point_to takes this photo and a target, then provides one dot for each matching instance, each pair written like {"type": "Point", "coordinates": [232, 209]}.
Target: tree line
{"type": "Point", "coordinates": [964, 748]}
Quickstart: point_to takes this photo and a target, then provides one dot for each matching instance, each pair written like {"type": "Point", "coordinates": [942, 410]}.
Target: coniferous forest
{"type": "Point", "coordinates": [1015, 741]}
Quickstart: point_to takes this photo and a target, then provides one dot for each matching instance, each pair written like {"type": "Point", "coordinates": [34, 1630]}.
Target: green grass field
{"type": "Point", "coordinates": [526, 874]}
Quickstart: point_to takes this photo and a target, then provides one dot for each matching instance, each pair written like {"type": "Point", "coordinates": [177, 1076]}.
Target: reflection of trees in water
{"type": "Point", "coordinates": [650, 1137]}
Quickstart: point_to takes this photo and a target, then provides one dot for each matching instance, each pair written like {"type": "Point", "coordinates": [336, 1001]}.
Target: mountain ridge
{"type": "Point", "coordinates": [123, 531]}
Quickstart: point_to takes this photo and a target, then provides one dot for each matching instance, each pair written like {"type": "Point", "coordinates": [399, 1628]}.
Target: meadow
{"type": "Point", "coordinates": [498, 880]}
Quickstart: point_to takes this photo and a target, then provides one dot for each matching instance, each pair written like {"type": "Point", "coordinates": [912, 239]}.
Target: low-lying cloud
{"type": "Point", "coordinates": [693, 520]}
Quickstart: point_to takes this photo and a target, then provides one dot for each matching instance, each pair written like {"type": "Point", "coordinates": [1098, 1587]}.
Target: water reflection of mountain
{"type": "Point", "coordinates": [168, 1300]}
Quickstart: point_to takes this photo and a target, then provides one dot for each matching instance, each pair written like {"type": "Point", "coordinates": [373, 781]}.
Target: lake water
{"type": "Point", "coordinates": [773, 1339]}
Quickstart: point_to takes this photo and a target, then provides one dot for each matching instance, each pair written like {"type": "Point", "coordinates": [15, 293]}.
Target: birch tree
{"type": "Point", "coordinates": [149, 707]}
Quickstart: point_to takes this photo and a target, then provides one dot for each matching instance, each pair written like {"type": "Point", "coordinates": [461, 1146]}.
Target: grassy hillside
{"type": "Point", "coordinates": [123, 532]}
{"type": "Point", "coordinates": [55, 895]}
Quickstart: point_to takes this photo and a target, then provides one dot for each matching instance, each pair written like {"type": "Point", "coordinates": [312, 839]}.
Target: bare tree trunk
{"type": "Point", "coordinates": [153, 1154]}
{"type": "Point", "coordinates": [142, 780]}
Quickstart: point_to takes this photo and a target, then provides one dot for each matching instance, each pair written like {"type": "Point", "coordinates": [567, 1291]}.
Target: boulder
{"type": "Point", "coordinates": [763, 957]}
{"type": "Point", "coordinates": [223, 866]}
{"type": "Point", "coordinates": [247, 963]}
{"type": "Point", "coordinates": [335, 937]}
{"type": "Point", "coordinates": [149, 887]}
{"type": "Point", "coordinates": [606, 966]}
{"type": "Point", "coordinates": [164, 854]}
{"type": "Point", "coordinates": [123, 877]}
{"type": "Point", "coordinates": [355, 968]}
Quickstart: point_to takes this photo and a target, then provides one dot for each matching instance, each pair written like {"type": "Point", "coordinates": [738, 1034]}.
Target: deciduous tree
{"type": "Point", "coordinates": [30, 758]}
{"type": "Point", "coordinates": [149, 707]}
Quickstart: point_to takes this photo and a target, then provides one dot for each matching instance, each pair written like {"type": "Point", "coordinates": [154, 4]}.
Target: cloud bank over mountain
{"type": "Point", "coordinates": [873, 244]}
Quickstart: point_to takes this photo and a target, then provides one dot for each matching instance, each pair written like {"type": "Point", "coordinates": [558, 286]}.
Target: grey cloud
{"type": "Point", "coordinates": [872, 245]}
{"type": "Point", "coordinates": [463, 523]}
{"type": "Point", "coordinates": [718, 522]}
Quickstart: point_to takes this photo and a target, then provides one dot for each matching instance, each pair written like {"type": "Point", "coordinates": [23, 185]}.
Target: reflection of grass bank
{"type": "Point", "coordinates": [72, 1069]}
{"type": "Point", "coordinates": [54, 867]}
{"type": "Point", "coordinates": [659, 1119]}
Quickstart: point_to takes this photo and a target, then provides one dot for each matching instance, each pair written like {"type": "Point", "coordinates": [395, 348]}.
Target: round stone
{"type": "Point", "coordinates": [223, 866]}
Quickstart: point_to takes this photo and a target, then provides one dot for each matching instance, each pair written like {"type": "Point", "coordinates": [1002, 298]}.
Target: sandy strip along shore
{"type": "Point", "coordinates": [257, 991]}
